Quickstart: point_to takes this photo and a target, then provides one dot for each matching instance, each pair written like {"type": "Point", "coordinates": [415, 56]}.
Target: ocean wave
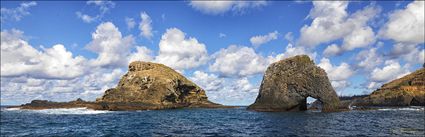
{"type": "Point", "coordinates": [403, 109]}
{"type": "Point", "coordinates": [11, 109]}
{"type": "Point", "coordinates": [71, 111]}
{"type": "Point", "coordinates": [75, 111]}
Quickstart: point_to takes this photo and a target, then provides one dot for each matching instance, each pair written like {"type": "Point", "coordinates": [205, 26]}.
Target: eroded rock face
{"type": "Point", "coordinates": [155, 84]}
{"type": "Point", "coordinates": [287, 83]}
{"type": "Point", "coordinates": [406, 91]}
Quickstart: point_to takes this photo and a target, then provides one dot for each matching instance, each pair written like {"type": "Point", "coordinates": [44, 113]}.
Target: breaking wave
{"type": "Point", "coordinates": [72, 111]}
{"type": "Point", "coordinates": [403, 109]}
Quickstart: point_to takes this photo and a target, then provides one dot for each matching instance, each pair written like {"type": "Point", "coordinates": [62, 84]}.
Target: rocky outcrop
{"type": "Point", "coordinates": [146, 86]}
{"type": "Point", "coordinates": [287, 83]}
{"type": "Point", "coordinates": [44, 104]}
{"type": "Point", "coordinates": [156, 85]}
{"type": "Point", "coordinates": [406, 91]}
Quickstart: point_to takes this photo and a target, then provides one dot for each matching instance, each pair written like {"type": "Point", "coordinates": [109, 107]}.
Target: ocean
{"type": "Point", "coordinates": [407, 121]}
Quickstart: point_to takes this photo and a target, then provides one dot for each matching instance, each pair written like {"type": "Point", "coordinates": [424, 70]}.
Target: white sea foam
{"type": "Point", "coordinates": [11, 109]}
{"type": "Point", "coordinates": [75, 111]}
{"type": "Point", "coordinates": [72, 111]}
{"type": "Point", "coordinates": [403, 109]}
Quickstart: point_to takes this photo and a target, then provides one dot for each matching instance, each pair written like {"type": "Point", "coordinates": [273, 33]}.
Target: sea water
{"type": "Point", "coordinates": [212, 122]}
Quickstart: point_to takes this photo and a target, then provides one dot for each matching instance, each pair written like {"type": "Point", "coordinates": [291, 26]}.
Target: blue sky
{"type": "Point", "coordinates": [68, 49]}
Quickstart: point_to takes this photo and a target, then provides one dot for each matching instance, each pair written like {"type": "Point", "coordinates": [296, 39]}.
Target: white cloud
{"type": "Point", "coordinates": [359, 38]}
{"type": "Point", "coordinates": [19, 58]}
{"type": "Point", "coordinates": [209, 82]}
{"type": "Point", "coordinates": [142, 54]}
{"type": "Point", "coordinates": [409, 52]}
{"type": "Point", "coordinates": [291, 51]}
{"type": "Point", "coordinates": [262, 39]}
{"type": "Point", "coordinates": [103, 5]}
{"type": "Point", "coordinates": [16, 14]}
{"type": "Point", "coordinates": [130, 23]}
{"type": "Point", "coordinates": [416, 56]}
{"type": "Point", "coordinates": [328, 23]}
{"type": "Point", "coordinates": [86, 18]}
{"type": "Point", "coordinates": [390, 71]}
{"type": "Point", "coordinates": [331, 22]}
{"type": "Point", "coordinates": [23, 89]}
{"type": "Point", "coordinates": [111, 47]}
{"type": "Point", "coordinates": [332, 50]}
{"type": "Point", "coordinates": [221, 7]}
{"type": "Point", "coordinates": [369, 59]}
{"type": "Point", "coordinates": [338, 75]}
{"type": "Point", "coordinates": [406, 25]}
{"type": "Point", "coordinates": [179, 52]}
{"type": "Point", "coordinates": [238, 61]}
{"type": "Point", "coordinates": [289, 37]}
{"type": "Point", "coordinates": [145, 25]}
{"type": "Point", "coordinates": [229, 91]}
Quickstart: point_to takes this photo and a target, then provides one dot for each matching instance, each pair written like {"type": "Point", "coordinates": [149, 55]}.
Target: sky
{"type": "Point", "coordinates": [64, 50]}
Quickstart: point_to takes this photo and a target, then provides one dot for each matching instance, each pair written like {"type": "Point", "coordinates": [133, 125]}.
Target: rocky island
{"type": "Point", "coordinates": [146, 86]}
{"type": "Point", "coordinates": [405, 91]}
{"type": "Point", "coordinates": [287, 83]}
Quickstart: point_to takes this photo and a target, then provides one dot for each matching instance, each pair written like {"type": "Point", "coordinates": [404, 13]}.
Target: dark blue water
{"type": "Point", "coordinates": [211, 122]}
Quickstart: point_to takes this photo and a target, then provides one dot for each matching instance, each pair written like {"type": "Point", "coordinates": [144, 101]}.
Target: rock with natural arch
{"type": "Point", "coordinates": [287, 83]}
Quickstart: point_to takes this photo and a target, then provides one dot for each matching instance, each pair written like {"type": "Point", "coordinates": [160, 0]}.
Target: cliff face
{"type": "Point", "coordinates": [406, 91]}
{"type": "Point", "coordinates": [287, 83]}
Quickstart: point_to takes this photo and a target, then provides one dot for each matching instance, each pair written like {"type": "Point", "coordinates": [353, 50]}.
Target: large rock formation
{"type": "Point", "coordinates": [155, 84]}
{"type": "Point", "coordinates": [406, 91]}
{"type": "Point", "coordinates": [147, 86]}
{"type": "Point", "coordinates": [287, 83]}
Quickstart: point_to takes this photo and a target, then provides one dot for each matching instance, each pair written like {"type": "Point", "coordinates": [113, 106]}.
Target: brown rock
{"type": "Point", "coordinates": [287, 83]}
{"type": "Point", "coordinates": [406, 91]}
{"type": "Point", "coordinates": [156, 85]}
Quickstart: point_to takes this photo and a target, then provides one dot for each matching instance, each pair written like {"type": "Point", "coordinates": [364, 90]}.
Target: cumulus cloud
{"type": "Point", "coordinates": [130, 23]}
{"type": "Point", "coordinates": [238, 61]}
{"type": "Point", "coordinates": [103, 5]}
{"type": "Point", "coordinates": [331, 22]}
{"type": "Point", "coordinates": [179, 52]}
{"type": "Point", "coordinates": [390, 71]}
{"type": "Point", "coordinates": [111, 47]}
{"type": "Point", "coordinates": [209, 82]}
{"type": "Point", "coordinates": [142, 54]}
{"type": "Point", "coordinates": [19, 58]}
{"type": "Point", "coordinates": [23, 89]}
{"type": "Point", "coordinates": [291, 51]}
{"type": "Point", "coordinates": [359, 38]}
{"type": "Point", "coordinates": [145, 25]}
{"type": "Point", "coordinates": [406, 25]}
{"type": "Point", "coordinates": [262, 39]}
{"type": "Point", "coordinates": [332, 50]}
{"type": "Point", "coordinates": [230, 91]}
{"type": "Point", "coordinates": [369, 59]}
{"type": "Point", "coordinates": [411, 53]}
{"type": "Point", "coordinates": [221, 7]}
{"type": "Point", "coordinates": [16, 14]}
{"type": "Point", "coordinates": [338, 75]}
{"type": "Point", "coordinates": [417, 56]}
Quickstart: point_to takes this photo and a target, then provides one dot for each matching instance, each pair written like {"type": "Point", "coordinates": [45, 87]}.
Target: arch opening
{"type": "Point", "coordinates": [313, 103]}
